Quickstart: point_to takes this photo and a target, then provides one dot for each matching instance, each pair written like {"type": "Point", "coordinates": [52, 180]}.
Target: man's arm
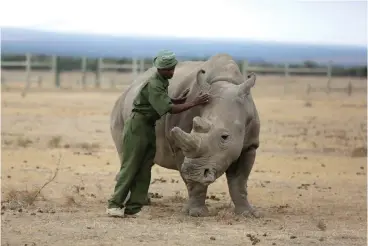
{"type": "Point", "coordinates": [162, 103]}
{"type": "Point", "coordinates": [158, 98]}
{"type": "Point", "coordinates": [178, 108]}
{"type": "Point", "coordinates": [178, 100]}
{"type": "Point", "coordinates": [181, 99]}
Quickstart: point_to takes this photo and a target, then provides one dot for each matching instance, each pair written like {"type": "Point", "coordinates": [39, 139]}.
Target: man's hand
{"type": "Point", "coordinates": [202, 99]}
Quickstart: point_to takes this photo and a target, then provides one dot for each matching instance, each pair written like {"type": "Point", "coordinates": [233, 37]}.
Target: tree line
{"type": "Point", "coordinates": [74, 63]}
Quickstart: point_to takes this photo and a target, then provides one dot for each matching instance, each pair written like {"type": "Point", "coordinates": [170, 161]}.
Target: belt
{"type": "Point", "coordinates": [147, 119]}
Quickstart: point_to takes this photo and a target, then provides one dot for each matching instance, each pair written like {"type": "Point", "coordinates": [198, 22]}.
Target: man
{"type": "Point", "coordinates": [139, 140]}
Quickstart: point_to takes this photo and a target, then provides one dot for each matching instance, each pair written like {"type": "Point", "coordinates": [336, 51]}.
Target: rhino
{"type": "Point", "coordinates": [206, 141]}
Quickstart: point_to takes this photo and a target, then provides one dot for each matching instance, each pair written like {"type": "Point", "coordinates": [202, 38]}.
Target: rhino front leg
{"type": "Point", "coordinates": [196, 205]}
{"type": "Point", "coordinates": [237, 178]}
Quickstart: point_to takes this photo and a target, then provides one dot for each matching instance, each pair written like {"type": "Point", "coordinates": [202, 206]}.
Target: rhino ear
{"type": "Point", "coordinates": [201, 81]}
{"type": "Point", "coordinates": [244, 88]}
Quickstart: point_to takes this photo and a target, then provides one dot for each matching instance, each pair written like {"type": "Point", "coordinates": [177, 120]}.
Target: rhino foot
{"type": "Point", "coordinates": [198, 211]}
{"type": "Point", "coordinates": [247, 211]}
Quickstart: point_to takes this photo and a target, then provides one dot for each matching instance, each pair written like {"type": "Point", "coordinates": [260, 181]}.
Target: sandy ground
{"type": "Point", "coordinates": [309, 180]}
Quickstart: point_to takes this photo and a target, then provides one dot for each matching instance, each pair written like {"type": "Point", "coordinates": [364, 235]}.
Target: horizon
{"type": "Point", "coordinates": [152, 37]}
{"type": "Point", "coordinates": [21, 41]}
{"type": "Point", "coordinates": [287, 21]}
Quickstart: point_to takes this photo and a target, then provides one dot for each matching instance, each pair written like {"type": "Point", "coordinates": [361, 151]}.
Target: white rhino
{"type": "Point", "coordinates": [206, 141]}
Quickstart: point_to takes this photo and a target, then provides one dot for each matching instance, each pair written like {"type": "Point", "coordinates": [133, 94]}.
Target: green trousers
{"type": "Point", "coordinates": [139, 148]}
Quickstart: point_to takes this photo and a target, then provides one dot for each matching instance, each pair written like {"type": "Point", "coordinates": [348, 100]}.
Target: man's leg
{"type": "Point", "coordinates": [140, 185]}
{"type": "Point", "coordinates": [134, 146]}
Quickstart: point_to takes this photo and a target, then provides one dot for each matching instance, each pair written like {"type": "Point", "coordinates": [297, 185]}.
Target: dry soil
{"type": "Point", "coordinates": [309, 179]}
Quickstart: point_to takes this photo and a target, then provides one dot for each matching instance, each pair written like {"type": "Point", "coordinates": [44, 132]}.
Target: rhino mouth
{"type": "Point", "coordinates": [193, 170]}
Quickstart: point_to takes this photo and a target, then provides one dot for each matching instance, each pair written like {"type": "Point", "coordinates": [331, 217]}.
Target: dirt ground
{"type": "Point", "coordinates": [309, 180]}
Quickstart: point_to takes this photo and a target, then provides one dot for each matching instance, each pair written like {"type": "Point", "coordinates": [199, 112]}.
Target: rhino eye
{"type": "Point", "coordinates": [224, 136]}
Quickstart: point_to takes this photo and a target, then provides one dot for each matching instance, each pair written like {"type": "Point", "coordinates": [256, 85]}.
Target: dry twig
{"type": "Point", "coordinates": [49, 181]}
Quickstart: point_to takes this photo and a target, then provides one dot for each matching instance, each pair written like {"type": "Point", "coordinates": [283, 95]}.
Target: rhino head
{"type": "Point", "coordinates": [217, 135]}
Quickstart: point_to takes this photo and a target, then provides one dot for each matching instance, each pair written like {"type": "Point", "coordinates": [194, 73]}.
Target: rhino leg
{"type": "Point", "coordinates": [196, 205]}
{"type": "Point", "coordinates": [116, 134]}
{"type": "Point", "coordinates": [237, 178]}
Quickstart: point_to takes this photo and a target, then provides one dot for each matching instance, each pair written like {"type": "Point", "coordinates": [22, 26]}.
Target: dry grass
{"type": "Point", "coordinates": [55, 142]}
{"type": "Point", "coordinates": [308, 182]}
{"type": "Point", "coordinates": [88, 146]}
{"type": "Point", "coordinates": [21, 199]}
{"type": "Point", "coordinates": [359, 152]}
{"type": "Point", "coordinates": [24, 142]}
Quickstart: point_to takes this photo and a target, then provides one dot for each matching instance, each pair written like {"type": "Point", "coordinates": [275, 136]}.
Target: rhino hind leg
{"type": "Point", "coordinates": [196, 205]}
{"type": "Point", "coordinates": [237, 178]}
{"type": "Point", "coordinates": [117, 137]}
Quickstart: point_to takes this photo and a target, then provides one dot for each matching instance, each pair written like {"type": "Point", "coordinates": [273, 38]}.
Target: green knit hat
{"type": "Point", "coordinates": [165, 59]}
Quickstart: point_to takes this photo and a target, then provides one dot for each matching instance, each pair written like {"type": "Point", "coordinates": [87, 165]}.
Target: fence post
{"type": "Point", "coordinates": [28, 68]}
{"type": "Point", "coordinates": [55, 70]}
{"type": "Point", "coordinates": [286, 73]}
{"type": "Point", "coordinates": [134, 67]}
{"type": "Point", "coordinates": [99, 72]}
{"type": "Point", "coordinates": [141, 65]}
{"type": "Point", "coordinates": [84, 71]}
{"type": "Point", "coordinates": [245, 68]}
{"type": "Point", "coordinates": [28, 74]}
{"type": "Point", "coordinates": [329, 75]}
{"type": "Point", "coordinates": [2, 79]}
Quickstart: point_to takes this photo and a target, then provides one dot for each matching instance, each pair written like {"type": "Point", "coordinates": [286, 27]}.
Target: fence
{"type": "Point", "coordinates": [349, 89]}
{"type": "Point", "coordinates": [28, 64]}
{"type": "Point", "coordinates": [136, 67]}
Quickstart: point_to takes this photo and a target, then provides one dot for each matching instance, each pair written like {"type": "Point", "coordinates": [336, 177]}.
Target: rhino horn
{"type": "Point", "coordinates": [184, 140]}
{"type": "Point", "coordinates": [201, 125]}
{"type": "Point", "coordinates": [245, 87]}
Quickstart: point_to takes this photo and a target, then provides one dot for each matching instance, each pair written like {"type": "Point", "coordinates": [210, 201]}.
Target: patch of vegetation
{"type": "Point", "coordinates": [359, 152]}
{"type": "Point", "coordinates": [24, 142]}
{"type": "Point", "coordinates": [307, 104]}
{"type": "Point", "coordinates": [21, 199]}
{"type": "Point", "coordinates": [54, 142]}
{"type": "Point", "coordinates": [18, 199]}
{"type": "Point", "coordinates": [88, 146]}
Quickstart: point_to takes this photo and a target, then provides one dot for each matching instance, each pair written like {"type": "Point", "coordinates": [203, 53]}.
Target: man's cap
{"type": "Point", "coordinates": [165, 59]}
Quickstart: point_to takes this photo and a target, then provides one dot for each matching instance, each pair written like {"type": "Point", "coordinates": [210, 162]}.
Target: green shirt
{"type": "Point", "coordinates": [153, 100]}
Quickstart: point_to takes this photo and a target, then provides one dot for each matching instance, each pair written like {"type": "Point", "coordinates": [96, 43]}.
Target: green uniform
{"type": "Point", "coordinates": [139, 145]}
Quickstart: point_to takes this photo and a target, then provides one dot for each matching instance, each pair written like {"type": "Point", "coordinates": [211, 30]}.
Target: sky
{"type": "Point", "coordinates": [296, 21]}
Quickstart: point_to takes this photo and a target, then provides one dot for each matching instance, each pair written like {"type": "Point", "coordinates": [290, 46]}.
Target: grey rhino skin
{"type": "Point", "coordinates": [208, 140]}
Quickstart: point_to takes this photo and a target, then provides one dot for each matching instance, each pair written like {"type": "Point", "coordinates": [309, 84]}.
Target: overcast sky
{"type": "Point", "coordinates": [323, 22]}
